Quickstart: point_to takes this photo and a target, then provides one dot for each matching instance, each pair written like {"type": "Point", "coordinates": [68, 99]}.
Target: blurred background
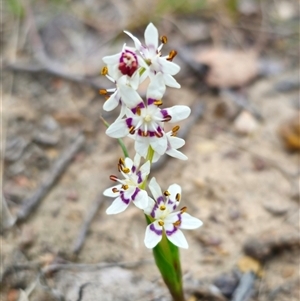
{"type": "Point", "coordinates": [240, 75]}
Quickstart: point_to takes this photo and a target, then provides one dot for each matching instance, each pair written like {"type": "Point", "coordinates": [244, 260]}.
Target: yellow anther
{"type": "Point", "coordinates": [158, 102]}
{"type": "Point", "coordinates": [121, 161]}
{"type": "Point", "coordinates": [138, 111]}
{"type": "Point", "coordinates": [178, 197]}
{"type": "Point", "coordinates": [119, 167]}
{"type": "Point", "coordinates": [125, 186]}
{"type": "Point", "coordinates": [162, 207]}
{"type": "Point", "coordinates": [167, 193]}
{"type": "Point", "coordinates": [172, 54]}
{"type": "Point", "coordinates": [125, 169]}
{"type": "Point", "coordinates": [161, 223]}
{"type": "Point", "coordinates": [183, 209]}
{"type": "Point", "coordinates": [104, 71]}
{"type": "Point", "coordinates": [102, 91]}
{"type": "Point", "coordinates": [164, 39]}
{"type": "Point", "coordinates": [115, 190]}
{"type": "Point", "coordinates": [132, 130]}
{"type": "Point", "coordinates": [177, 223]}
{"type": "Point", "coordinates": [158, 134]}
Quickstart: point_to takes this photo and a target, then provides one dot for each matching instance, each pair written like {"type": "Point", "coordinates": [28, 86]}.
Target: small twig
{"type": "Point", "coordinates": [78, 243]}
{"type": "Point", "coordinates": [59, 166]}
{"type": "Point", "coordinates": [93, 267]}
{"type": "Point", "coordinates": [245, 288]}
{"type": "Point", "coordinates": [197, 112]}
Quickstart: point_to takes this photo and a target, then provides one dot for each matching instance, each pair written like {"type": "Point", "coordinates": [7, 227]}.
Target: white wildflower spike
{"type": "Point", "coordinates": [128, 190]}
{"type": "Point", "coordinates": [165, 219]}
{"type": "Point", "coordinates": [151, 53]}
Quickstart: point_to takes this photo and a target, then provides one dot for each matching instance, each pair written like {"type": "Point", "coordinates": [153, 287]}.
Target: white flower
{"type": "Point", "coordinates": [165, 219]}
{"type": "Point", "coordinates": [150, 52]}
{"type": "Point", "coordinates": [128, 190]}
{"type": "Point", "coordinates": [146, 122]}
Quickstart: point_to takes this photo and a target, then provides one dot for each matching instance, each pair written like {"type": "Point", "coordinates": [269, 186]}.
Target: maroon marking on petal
{"type": "Point", "coordinates": [128, 69]}
{"type": "Point", "coordinates": [141, 105]}
{"type": "Point", "coordinates": [150, 101]}
{"type": "Point", "coordinates": [125, 200]}
{"type": "Point", "coordinates": [129, 122]}
{"type": "Point", "coordinates": [139, 174]}
{"type": "Point", "coordinates": [156, 231]}
{"type": "Point", "coordinates": [164, 113]}
{"type": "Point", "coordinates": [133, 169]}
{"type": "Point", "coordinates": [137, 190]}
{"type": "Point", "coordinates": [160, 199]}
{"type": "Point", "coordinates": [171, 232]}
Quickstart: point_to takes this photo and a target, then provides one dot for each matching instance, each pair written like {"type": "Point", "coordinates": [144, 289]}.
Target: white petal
{"type": "Point", "coordinates": [137, 160]}
{"type": "Point", "coordinates": [149, 208]}
{"type": "Point", "coordinates": [151, 36]}
{"type": "Point", "coordinates": [170, 81]}
{"type": "Point", "coordinates": [155, 188]}
{"type": "Point", "coordinates": [117, 206]}
{"type": "Point", "coordinates": [174, 189]}
{"type": "Point", "coordinates": [159, 144]}
{"type": "Point", "coordinates": [176, 154]}
{"type": "Point", "coordinates": [141, 199]}
{"type": "Point", "coordinates": [135, 80]}
{"type": "Point", "coordinates": [136, 41]}
{"type": "Point", "coordinates": [118, 129]}
{"type": "Point", "coordinates": [129, 96]}
{"type": "Point", "coordinates": [112, 102]}
{"type": "Point", "coordinates": [128, 163]}
{"type": "Point", "coordinates": [156, 88]}
{"type": "Point", "coordinates": [179, 113]}
{"type": "Point", "coordinates": [153, 235]}
{"type": "Point", "coordinates": [178, 239]}
{"type": "Point", "coordinates": [190, 222]}
{"type": "Point", "coordinates": [108, 192]}
{"type": "Point", "coordinates": [176, 142]}
{"type": "Point", "coordinates": [168, 67]}
{"type": "Point", "coordinates": [145, 169]}
{"type": "Point", "coordinates": [141, 145]}
{"type": "Point", "coordinates": [112, 59]}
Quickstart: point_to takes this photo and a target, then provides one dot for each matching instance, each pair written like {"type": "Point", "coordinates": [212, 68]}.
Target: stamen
{"type": "Point", "coordinates": [121, 161]}
{"type": "Point", "coordinates": [125, 186]}
{"type": "Point", "coordinates": [183, 209]}
{"type": "Point", "coordinates": [119, 167]}
{"type": "Point", "coordinates": [161, 223]}
{"type": "Point", "coordinates": [158, 102]}
{"type": "Point", "coordinates": [178, 197]}
{"type": "Point", "coordinates": [164, 39]}
{"type": "Point", "coordinates": [167, 193]}
{"type": "Point", "coordinates": [104, 71]}
{"type": "Point", "coordinates": [113, 178]}
{"type": "Point", "coordinates": [132, 130]}
{"type": "Point", "coordinates": [167, 118]}
{"type": "Point", "coordinates": [177, 223]}
{"type": "Point", "coordinates": [162, 207]}
{"type": "Point", "coordinates": [138, 111]}
{"type": "Point", "coordinates": [115, 190]}
{"type": "Point", "coordinates": [125, 169]}
{"type": "Point", "coordinates": [159, 134]}
{"type": "Point", "coordinates": [145, 133]}
{"type": "Point", "coordinates": [103, 91]}
{"type": "Point", "coordinates": [172, 54]}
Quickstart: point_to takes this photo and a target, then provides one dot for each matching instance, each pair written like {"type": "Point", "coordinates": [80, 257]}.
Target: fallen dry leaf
{"type": "Point", "coordinates": [289, 132]}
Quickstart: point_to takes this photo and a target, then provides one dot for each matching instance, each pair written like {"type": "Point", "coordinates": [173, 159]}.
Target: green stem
{"type": "Point", "coordinates": [166, 255]}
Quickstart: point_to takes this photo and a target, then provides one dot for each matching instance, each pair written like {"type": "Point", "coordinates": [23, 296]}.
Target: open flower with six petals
{"type": "Point", "coordinates": [128, 190]}
{"type": "Point", "coordinates": [166, 219]}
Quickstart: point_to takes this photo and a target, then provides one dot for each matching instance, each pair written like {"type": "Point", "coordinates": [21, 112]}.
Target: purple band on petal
{"type": "Point", "coordinates": [141, 105]}
{"type": "Point", "coordinates": [137, 190]}
{"type": "Point", "coordinates": [165, 113]}
{"type": "Point", "coordinates": [129, 122]}
{"type": "Point", "coordinates": [150, 101]}
{"type": "Point", "coordinates": [124, 200]}
{"type": "Point", "coordinates": [155, 207]}
{"type": "Point", "coordinates": [160, 200]}
{"type": "Point", "coordinates": [169, 233]}
{"type": "Point", "coordinates": [139, 174]}
{"type": "Point", "coordinates": [133, 169]}
{"type": "Point", "coordinates": [156, 231]}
